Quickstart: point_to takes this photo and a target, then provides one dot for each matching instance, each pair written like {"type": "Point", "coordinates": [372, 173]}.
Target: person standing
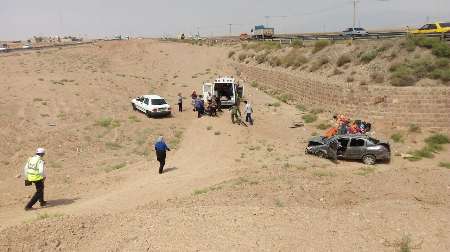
{"type": "Point", "coordinates": [248, 112]}
{"type": "Point", "coordinates": [219, 103]}
{"type": "Point", "coordinates": [34, 173]}
{"type": "Point", "coordinates": [235, 114]}
{"type": "Point", "coordinates": [332, 150]}
{"type": "Point", "coordinates": [161, 148]}
{"type": "Point", "coordinates": [194, 98]}
{"type": "Point", "coordinates": [180, 103]}
{"type": "Point", "coordinates": [199, 106]}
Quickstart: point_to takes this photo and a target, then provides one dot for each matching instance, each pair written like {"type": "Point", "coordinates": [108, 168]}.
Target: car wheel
{"type": "Point", "coordinates": [134, 107]}
{"type": "Point", "coordinates": [148, 113]}
{"type": "Point", "coordinates": [369, 159]}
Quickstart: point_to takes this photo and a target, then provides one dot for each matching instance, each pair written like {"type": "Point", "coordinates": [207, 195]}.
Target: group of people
{"type": "Point", "coordinates": [236, 113]}
{"type": "Point", "coordinates": [34, 170]}
{"type": "Point", "coordinates": [345, 126]}
{"type": "Point", "coordinates": [213, 104]}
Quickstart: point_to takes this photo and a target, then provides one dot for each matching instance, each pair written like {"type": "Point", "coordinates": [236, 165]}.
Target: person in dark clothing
{"type": "Point", "coordinates": [180, 103]}
{"type": "Point", "coordinates": [235, 114]}
{"type": "Point", "coordinates": [332, 150]}
{"type": "Point", "coordinates": [200, 106]}
{"type": "Point", "coordinates": [161, 148]}
{"type": "Point", "coordinates": [218, 103]}
{"type": "Point", "coordinates": [197, 106]}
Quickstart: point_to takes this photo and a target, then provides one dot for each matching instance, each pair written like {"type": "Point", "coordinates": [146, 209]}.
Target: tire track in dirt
{"type": "Point", "coordinates": [195, 165]}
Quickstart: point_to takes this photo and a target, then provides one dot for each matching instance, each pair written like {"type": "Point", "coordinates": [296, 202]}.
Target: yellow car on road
{"type": "Point", "coordinates": [438, 27]}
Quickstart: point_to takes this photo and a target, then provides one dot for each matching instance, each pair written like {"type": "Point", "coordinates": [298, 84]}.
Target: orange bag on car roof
{"type": "Point", "coordinates": [331, 132]}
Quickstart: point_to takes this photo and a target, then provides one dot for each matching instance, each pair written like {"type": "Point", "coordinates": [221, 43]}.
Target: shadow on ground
{"type": "Point", "coordinates": [170, 169]}
{"type": "Point", "coordinates": [60, 202]}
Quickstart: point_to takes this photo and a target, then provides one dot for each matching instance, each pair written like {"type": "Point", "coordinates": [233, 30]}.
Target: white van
{"type": "Point", "coordinates": [226, 88]}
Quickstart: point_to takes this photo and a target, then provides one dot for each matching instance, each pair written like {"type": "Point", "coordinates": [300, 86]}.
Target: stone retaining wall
{"type": "Point", "coordinates": [427, 107]}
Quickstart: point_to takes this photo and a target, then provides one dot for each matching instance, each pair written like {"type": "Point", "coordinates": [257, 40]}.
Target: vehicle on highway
{"type": "Point", "coordinates": [226, 88]}
{"type": "Point", "coordinates": [3, 47]}
{"type": "Point", "coordinates": [27, 46]}
{"type": "Point", "coordinates": [351, 147]}
{"type": "Point", "coordinates": [355, 32]}
{"type": "Point", "coordinates": [262, 32]}
{"type": "Point", "coordinates": [438, 27]}
{"type": "Point", "coordinates": [244, 36]}
{"type": "Point", "coordinates": [151, 105]}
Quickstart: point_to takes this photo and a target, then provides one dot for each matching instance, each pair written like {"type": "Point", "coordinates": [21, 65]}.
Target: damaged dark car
{"type": "Point", "coordinates": [351, 147]}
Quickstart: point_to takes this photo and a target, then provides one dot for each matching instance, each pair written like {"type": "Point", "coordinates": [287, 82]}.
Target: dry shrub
{"type": "Point", "coordinates": [320, 45]}
{"type": "Point", "coordinates": [368, 56]}
{"type": "Point", "coordinates": [294, 59]}
{"type": "Point", "coordinates": [261, 58]}
{"type": "Point", "coordinates": [297, 43]}
{"type": "Point", "coordinates": [407, 74]}
{"type": "Point", "coordinates": [275, 61]}
{"type": "Point", "coordinates": [337, 72]}
{"type": "Point", "coordinates": [377, 77]}
{"type": "Point", "coordinates": [319, 63]}
{"type": "Point", "coordinates": [343, 59]}
{"type": "Point", "coordinates": [263, 46]}
{"type": "Point", "coordinates": [242, 57]}
{"type": "Point", "coordinates": [385, 46]}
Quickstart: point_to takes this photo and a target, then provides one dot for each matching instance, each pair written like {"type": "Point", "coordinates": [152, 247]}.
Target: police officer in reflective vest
{"type": "Point", "coordinates": [34, 173]}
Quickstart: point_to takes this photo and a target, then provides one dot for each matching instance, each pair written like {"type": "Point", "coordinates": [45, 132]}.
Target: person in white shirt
{"type": "Point", "coordinates": [248, 112]}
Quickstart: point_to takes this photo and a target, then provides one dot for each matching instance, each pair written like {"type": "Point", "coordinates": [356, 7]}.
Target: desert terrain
{"type": "Point", "coordinates": [226, 187]}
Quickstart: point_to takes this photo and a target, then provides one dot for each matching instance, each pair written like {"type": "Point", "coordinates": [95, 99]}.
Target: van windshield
{"type": "Point", "coordinates": [158, 102]}
{"type": "Point", "coordinates": [445, 25]}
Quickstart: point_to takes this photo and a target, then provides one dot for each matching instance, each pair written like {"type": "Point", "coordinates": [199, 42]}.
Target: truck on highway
{"type": "Point", "coordinates": [226, 88]}
{"type": "Point", "coordinates": [262, 32]}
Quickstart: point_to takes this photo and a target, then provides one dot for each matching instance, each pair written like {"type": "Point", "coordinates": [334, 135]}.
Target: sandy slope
{"type": "Point", "coordinates": [227, 188]}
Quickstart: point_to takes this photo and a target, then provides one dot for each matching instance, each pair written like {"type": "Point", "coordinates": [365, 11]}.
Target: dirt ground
{"type": "Point", "coordinates": [226, 187]}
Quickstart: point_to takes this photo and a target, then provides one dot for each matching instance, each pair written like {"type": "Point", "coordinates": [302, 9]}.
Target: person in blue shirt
{"type": "Point", "coordinates": [200, 106]}
{"type": "Point", "coordinates": [161, 148]}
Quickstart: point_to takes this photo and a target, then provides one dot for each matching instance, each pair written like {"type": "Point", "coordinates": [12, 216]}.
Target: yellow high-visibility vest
{"type": "Point", "coordinates": [33, 168]}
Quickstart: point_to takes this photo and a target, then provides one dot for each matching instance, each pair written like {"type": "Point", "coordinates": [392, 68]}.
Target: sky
{"type": "Point", "coordinates": [22, 19]}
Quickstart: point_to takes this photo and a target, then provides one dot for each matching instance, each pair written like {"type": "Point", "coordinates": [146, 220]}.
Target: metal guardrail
{"type": "Point", "coordinates": [46, 47]}
{"type": "Point", "coordinates": [370, 36]}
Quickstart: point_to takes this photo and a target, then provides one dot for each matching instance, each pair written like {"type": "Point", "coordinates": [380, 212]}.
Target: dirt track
{"type": "Point", "coordinates": [227, 187]}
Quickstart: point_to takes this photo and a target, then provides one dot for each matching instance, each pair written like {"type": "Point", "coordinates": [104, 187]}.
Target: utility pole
{"type": "Point", "coordinates": [354, 13]}
{"type": "Point", "coordinates": [230, 26]}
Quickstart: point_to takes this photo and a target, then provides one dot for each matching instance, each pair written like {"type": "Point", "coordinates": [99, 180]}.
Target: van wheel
{"type": "Point", "coordinates": [134, 107]}
{"type": "Point", "coordinates": [149, 115]}
{"type": "Point", "coordinates": [369, 159]}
